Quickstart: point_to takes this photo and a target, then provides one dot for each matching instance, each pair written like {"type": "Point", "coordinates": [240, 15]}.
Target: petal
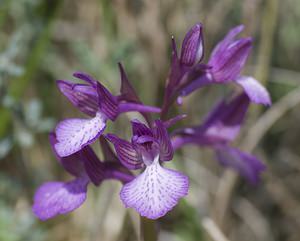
{"type": "Point", "coordinates": [74, 134]}
{"type": "Point", "coordinates": [127, 91]}
{"type": "Point", "coordinates": [223, 44]}
{"type": "Point", "coordinates": [53, 198]}
{"type": "Point", "coordinates": [140, 129]}
{"type": "Point", "coordinates": [108, 102]}
{"type": "Point", "coordinates": [126, 153]}
{"type": "Point", "coordinates": [82, 96]}
{"type": "Point", "coordinates": [230, 62]}
{"type": "Point", "coordinates": [155, 192]}
{"type": "Point", "coordinates": [95, 169]}
{"type": "Point", "coordinates": [72, 163]}
{"type": "Point", "coordinates": [226, 118]}
{"type": "Point", "coordinates": [221, 125]}
{"type": "Point", "coordinates": [192, 46]}
{"type": "Point", "coordinates": [255, 91]}
{"type": "Point", "coordinates": [129, 94]}
{"type": "Point", "coordinates": [165, 145]}
{"type": "Point", "coordinates": [108, 153]}
{"type": "Point", "coordinates": [245, 164]}
{"type": "Point", "coordinates": [85, 77]}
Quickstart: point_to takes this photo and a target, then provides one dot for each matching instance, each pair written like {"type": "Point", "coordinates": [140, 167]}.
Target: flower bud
{"type": "Point", "coordinates": [192, 46]}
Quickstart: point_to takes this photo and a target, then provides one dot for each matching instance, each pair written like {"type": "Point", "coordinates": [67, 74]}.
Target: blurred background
{"type": "Point", "coordinates": [42, 41]}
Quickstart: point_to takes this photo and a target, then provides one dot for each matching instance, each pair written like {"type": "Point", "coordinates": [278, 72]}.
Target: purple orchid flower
{"type": "Point", "coordinates": [225, 65]}
{"type": "Point", "coordinates": [157, 189]}
{"type": "Point", "coordinates": [54, 198]}
{"type": "Point", "coordinates": [96, 101]}
{"type": "Point", "coordinates": [219, 129]}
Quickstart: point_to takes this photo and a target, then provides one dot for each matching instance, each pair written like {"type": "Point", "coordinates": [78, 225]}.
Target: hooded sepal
{"type": "Point", "coordinates": [82, 96]}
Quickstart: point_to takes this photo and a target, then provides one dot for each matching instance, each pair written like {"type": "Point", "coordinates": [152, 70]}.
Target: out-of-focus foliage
{"type": "Point", "coordinates": [45, 40]}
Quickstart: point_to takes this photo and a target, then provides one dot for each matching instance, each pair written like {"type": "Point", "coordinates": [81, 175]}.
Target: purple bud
{"type": "Point", "coordinates": [192, 46]}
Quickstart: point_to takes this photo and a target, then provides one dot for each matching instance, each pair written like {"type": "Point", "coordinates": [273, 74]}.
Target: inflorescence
{"type": "Point", "coordinates": [156, 190]}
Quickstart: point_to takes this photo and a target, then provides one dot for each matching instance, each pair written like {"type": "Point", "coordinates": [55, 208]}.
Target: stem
{"type": "Point", "coordinates": [148, 230]}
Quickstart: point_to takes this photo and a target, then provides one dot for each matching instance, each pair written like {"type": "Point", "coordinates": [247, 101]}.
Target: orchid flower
{"type": "Point", "coordinates": [218, 130]}
{"type": "Point", "coordinates": [54, 198]}
{"type": "Point", "coordinates": [224, 66]}
{"type": "Point", "coordinates": [96, 101]}
{"type": "Point", "coordinates": [157, 189]}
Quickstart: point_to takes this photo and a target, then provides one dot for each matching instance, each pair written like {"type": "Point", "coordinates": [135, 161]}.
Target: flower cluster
{"type": "Point", "coordinates": [156, 190]}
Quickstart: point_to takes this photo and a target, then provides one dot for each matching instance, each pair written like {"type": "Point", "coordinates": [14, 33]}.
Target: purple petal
{"type": "Point", "coordinates": [245, 164]}
{"type": "Point", "coordinates": [128, 94]}
{"type": "Point", "coordinates": [140, 129]}
{"type": "Point", "coordinates": [192, 46]}
{"type": "Point", "coordinates": [223, 44]}
{"type": "Point", "coordinates": [226, 118]}
{"type": "Point", "coordinates": [128, 107]}
{"type": "Point", "coordinates": [108, 153]}
{"type": "Point", "coordinates": [108, 102]}
{"type": "Point", "coordinates": [126, 153]}
{"type": "Point", "coordinates": [156, 191]}
{"type": "Point", "coordinates": [74, 134]}
{"type": "Point", "coordinates": [84, 97]}
{"type": "Point", "coordinates": [54, 198]}
{"type": "Point", "coordinates": [165, 145]}
{"type": "Point", "coordinates": [85, 77]}
{"type": "Point", "coordinates": [127, 91]}
{"type": "Point", "coordinates": [72, 163]}
{"type": "Point", "coordinates": [94, 167]}
{"type": "Point", "coordinates": [255, 91]}
{"type": "Point", "coordinates": [228, 64]}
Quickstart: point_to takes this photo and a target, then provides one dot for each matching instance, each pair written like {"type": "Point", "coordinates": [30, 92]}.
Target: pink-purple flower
{"type": "Point", "coordinates": [96, 101]}
{"type": "Point", "coordinates": [217, 131]}
{"type": "Point", "coordinates": [155, 190]}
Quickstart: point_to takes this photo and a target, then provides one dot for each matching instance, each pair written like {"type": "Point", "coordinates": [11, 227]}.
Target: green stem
{"type": "Point", "coordinates": [148, 230]}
